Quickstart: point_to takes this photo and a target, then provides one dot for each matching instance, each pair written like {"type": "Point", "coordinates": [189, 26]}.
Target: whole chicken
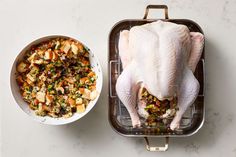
{"type": "Point", "coordinates": [161, 57]}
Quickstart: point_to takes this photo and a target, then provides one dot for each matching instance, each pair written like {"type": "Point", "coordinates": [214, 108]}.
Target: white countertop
{"type": "Point", "coordinates": [90, 21]}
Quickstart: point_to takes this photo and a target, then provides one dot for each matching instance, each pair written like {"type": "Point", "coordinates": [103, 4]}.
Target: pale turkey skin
{"type": "Point", "coordinates": [160, 56]}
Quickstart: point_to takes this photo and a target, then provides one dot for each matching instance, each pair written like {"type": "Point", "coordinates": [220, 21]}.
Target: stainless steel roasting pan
{"type": "Point", "coordinates": [119, 118]}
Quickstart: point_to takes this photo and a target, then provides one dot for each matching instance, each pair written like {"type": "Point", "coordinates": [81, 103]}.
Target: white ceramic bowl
{"type": "Point", "coordinates": [49, 120]}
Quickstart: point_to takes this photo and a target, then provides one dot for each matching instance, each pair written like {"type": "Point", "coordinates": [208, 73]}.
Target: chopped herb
{"type": "Point", "coordinates": [50, 87]}
{"type": "Point", "coordinates": [92, 79]}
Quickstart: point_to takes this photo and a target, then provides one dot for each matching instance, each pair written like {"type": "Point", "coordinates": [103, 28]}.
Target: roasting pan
{"type": "Point", "coordinates": [119, 117]}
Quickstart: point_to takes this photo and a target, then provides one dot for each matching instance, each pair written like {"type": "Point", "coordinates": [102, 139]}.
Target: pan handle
{"type": "Point", "coordinates": [156, 7]}
{"type": "Point", "coordinates": [156, 149]}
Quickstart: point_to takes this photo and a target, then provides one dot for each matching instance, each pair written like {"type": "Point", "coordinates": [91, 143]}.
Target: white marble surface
{"type": "Point", "coordinates": [90, 21]}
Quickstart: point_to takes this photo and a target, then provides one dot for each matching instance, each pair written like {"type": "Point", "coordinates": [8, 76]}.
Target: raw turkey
{"type": "Point", "coordinates": [161, 57]}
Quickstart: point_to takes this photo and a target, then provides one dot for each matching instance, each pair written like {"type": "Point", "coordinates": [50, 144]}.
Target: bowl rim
{"type": "Point", "coordinates": [61, 120]}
